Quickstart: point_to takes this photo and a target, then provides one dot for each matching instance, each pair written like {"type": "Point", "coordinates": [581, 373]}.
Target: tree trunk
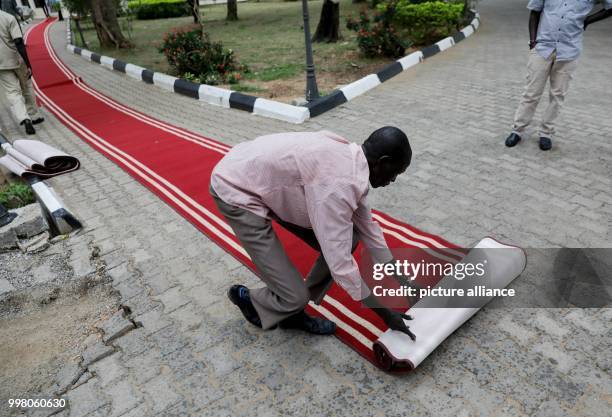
{"type": "Point", "coordinates": [232, 10]}
{"type": "Point", "coordinates": [105, 21]}
{"type": "Point", "coordinates": [77, 22]}
{"type": "Point", "coordinates": [194, 7]}
{"type": "Point", "coordinates": [328, 29]}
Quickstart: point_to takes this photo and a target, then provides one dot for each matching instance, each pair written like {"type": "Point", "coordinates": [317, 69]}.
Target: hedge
{"type": "Point", "coordinates": [159, 9]}
{"type": "Point", "coordinates": [425, 22]}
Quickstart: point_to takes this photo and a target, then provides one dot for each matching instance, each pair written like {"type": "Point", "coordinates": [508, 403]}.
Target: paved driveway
{"type": "Point", "coordinates": [194, 355]}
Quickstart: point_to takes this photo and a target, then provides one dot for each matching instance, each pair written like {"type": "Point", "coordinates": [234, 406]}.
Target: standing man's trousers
{"type": "Point", "coordinates": [19, 93]}
{"type": "Point", "coordinates": [539, 71]}
{"type": "Point", "coordinates": [286, 293]}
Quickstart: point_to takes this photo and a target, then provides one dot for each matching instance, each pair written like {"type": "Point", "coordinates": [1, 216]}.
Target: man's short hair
{"type": "Point", "coordinates": [389, 141]}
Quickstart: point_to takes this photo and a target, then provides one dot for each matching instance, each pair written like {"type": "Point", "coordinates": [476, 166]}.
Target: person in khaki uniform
{"type": "Point", "coordinates": [16, 74]}
{"type": "Point", "coordinates": [555, 29]}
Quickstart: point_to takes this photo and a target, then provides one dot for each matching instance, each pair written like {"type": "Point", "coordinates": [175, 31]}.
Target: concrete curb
{"type": "Point", "coordinates": [269, 108]}
{"type": "Point", "coordinates": [368, 82]}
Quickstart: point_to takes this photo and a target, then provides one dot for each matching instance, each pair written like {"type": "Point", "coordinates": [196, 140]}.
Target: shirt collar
{"type": "Point", "coordinates": [334, 136]}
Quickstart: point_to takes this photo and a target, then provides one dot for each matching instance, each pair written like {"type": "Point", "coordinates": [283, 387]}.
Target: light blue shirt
{"type": "Point", "coordinates": [561, 26]}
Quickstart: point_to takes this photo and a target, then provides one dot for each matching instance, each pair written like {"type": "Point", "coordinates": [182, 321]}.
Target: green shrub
{"type": "Point", "coordinates": [426, 22]}
{"type": "Point", "coordinates": [378, 37]}
{"type": "Point", "coordinates": [16, 195]}
{"type": "Point", "coordinates": [159, 9]}
{"type": "Point", "coordinates": [194, 56]}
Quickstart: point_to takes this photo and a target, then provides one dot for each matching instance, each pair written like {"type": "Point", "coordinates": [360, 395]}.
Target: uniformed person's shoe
{"type": "Point", "coordinates": [314, 325]}
{"type": "Point", "coordinates": [28, 127]}
{"type": "Point", "coordinates": [239, 295]}
{"type": "Point", "coordinates": [38, 120]}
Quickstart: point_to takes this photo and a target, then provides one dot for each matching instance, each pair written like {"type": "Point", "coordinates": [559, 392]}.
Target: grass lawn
{"type": "Point", "coordinates": [16, 194]}
{"type": "Point", "coordinates": [268, 37]}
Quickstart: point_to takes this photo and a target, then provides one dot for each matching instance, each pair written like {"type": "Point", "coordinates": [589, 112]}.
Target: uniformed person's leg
{"type": "Point", "coordinates": [9, 82]}
{"type": "Point", "coordinates": [28, 93]}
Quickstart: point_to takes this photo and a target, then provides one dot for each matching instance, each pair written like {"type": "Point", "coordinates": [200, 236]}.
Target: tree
{"type": "Point", "coordinates": [104, 18]}
{"type": "Point", "coordinates": [232, 10]}
{"type": "Point", "coordinates": [194, 7]}
{"type": "Point", "coordinates": [328, 29]}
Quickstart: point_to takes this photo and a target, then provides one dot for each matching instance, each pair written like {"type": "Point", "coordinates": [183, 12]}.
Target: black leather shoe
{"type": "Point", "coordinates": [545, 143]}
{"type": "Point", "coordinates": [239, 295]}
{"type": "Point", "coordinates": [38, 120]}
{"type": "Point", "coordinates": [512, 140]}
{"type": "Point", "coordinates": [28, 126]}
{"type": "Point", "coordinates": [314, 325]}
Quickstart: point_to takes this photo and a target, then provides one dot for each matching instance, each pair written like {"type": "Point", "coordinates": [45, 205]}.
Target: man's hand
{"type": "Point", "coordinates": [393, 319]}
{"type": "Point", "coordinates": [29, 72]}
{"type": "Point", "coordinates": [532, 44]}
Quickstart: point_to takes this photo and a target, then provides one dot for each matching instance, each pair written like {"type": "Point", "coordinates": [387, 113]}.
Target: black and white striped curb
{"type": "Point", "coordinates": [60, 220]}
{"type": "Point", "coordinates": [269, 108]}
{"type": "Point", "coordinates": [357, 88]}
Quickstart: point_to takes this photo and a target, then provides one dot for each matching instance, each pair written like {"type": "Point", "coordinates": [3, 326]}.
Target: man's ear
{"type": "Point", "coordinates": [385, 161]}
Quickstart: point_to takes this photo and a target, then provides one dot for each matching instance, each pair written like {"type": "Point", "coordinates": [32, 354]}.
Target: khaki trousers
{"type": "Point", "coordinates": [539, 71]}
{"type": "Point", "coordinates": [286, 292]}
{"type": "Point", "coordinates": [19, 93]}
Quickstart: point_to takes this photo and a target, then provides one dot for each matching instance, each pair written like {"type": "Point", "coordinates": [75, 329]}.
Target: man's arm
{"type": "Point", "coordinates": [330, 209]}
{"type": "Point", "coordinates": [24, 55]}
{"type": "Point", "coordinates": [596, 17]}
{"type": "Point", "coordinates": [534, 22]}
{"type": "Point", "coordinates": [370, 232]}
{"type": "Point", "coordinates": [372, 237]}
{"type": "Point", "coordinates": [15, 31]}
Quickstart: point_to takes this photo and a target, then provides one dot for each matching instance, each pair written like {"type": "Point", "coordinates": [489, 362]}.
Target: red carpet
{"type": "Point", "coordinates": [176, 164]}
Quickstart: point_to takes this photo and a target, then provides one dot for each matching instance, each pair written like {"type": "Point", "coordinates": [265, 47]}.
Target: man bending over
{"type": "Point", "coordinates": [315, 185]}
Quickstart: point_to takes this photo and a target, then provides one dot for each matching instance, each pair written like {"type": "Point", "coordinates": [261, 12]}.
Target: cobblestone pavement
{"type": "Point", "coordinates": [192, 353]}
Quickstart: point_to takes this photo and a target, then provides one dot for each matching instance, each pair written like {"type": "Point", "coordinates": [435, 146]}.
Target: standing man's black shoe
{"type": "Point", "coordinates": [28, 126]}
{"type": "Point", "coordinates": [512, 140]}
{"type": "Point", "coordinates": [38, 120]}
{"type": "Point", "coordinates": [545, 143]}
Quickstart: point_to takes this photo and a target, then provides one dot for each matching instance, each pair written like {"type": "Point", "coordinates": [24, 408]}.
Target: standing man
{"type": "Point", "coordinates": [555, 30]}
{"type": "Point", "coordinates": [315, 185]}
{"type": "Point", "coordinates": [16, 74]}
